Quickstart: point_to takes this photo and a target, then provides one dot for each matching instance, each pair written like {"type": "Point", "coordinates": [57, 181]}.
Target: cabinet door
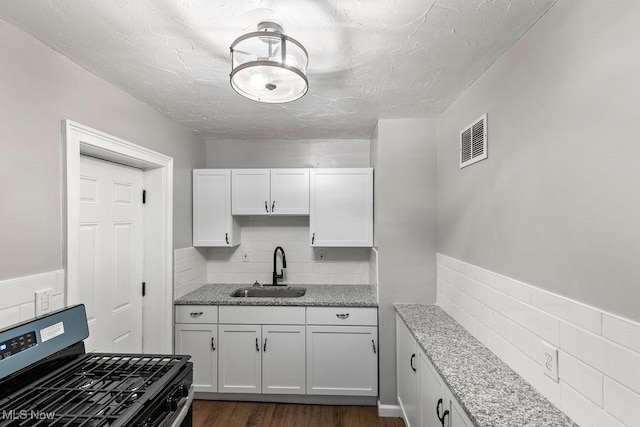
{"type": "Point", "coordinates": [457, 417]}
{"type": "Point", "coordinates": [433, 401]}
{"type": "Point", "coordinates": [239, 359]}
{"type": "Point", "coordinates": [341, 207]}
{"type": "Point", "coordinates": [342, 360]}
{"type": "Point", "coordinates": [200, 342]}
{"type": "Point", "coordinates": [250, 192]}
{"type": "Point", "coordinates": [407, 371]}
{"type": "Point", "coordinates": [212, 222]}
{"type": "Point", "coordinates": [289, 192]}
{"type": "Point", "coordinates": [283, 359]}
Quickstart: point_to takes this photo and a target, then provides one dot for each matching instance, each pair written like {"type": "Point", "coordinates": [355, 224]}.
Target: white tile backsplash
{"type": "Point", "coordinates": [599, 353]}
{"type": "Point", "coordinates": [18, 296]}
{"type": "Point", "coordinates": [261, 235]}
{"type": "Point", "coordinates": [190, 271]}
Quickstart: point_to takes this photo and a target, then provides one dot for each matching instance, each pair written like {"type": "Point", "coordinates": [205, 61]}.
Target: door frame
{"type": "Point", "coordinates": [157, 172]}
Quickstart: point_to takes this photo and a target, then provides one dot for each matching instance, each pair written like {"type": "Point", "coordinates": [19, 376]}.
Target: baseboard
{"type": "Point", "coordinates": [290, 398]}
{"type": "Point", "coordinates": [389, 411]}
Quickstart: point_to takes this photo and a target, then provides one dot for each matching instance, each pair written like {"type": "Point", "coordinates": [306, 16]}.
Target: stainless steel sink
{"type": "Point", "coordinates": [269, 292]}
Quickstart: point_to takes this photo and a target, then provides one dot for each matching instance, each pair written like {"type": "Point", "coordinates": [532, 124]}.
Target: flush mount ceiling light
{"type": "Point", "coordinates": [269, 66]}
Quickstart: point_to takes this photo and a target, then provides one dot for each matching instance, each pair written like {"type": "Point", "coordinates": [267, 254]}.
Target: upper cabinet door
{"type": "Point", "coordinates": [289, 192]}
{"type": "Point", "coordinates": [212, 222]}
{"type": "Point", "coordinates": [341, 207]}
{"type": "Point", "coordinates": [250, 192]}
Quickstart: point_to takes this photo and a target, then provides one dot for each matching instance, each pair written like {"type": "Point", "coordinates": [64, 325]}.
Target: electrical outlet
{"type": "Point", "coordinates": [245, 256]}
{"type": "Point", "coordinates": [322, 254]}
{"type": "Point", "coordinates": [550, 361]}
{"type": "Point", "coordinates": [43, 301]}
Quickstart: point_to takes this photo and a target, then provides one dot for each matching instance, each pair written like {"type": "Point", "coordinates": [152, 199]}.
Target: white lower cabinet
{"type": "Point", "coordinates": [313, 351]}
{"type": "Point", "coordinates": [423, 396]}
{"type": "Point", "coordinates": [407, 375]}
{"type": "Point", "coordinates": [197, 335]}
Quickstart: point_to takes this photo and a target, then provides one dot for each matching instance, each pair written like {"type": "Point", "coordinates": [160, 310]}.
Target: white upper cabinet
{"type": "Point", "coordinates": [270, 192]}
{"type": "Point", "coordinates": [212, 221]}
{"type": "Point", "coordinates": [289, 192]}
{"type": "Point", "coordinates": [341, 207]}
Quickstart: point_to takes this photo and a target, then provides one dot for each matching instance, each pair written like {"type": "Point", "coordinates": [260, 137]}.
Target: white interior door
{"type": "Point", "coordinates": [111, 255]}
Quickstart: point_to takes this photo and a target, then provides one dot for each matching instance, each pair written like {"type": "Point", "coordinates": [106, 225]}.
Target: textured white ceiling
{"type": "Point", "coordinates": [369, 59]}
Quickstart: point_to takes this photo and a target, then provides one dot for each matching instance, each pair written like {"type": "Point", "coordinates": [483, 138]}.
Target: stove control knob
{"type": "Point", "coordinates": [183, 390]}
{"type": "Point", "coordinates": [171, 404]}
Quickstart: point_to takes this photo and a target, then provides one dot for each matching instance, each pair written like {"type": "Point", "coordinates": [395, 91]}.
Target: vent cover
{"type": "Point", "coordinates": [473, 142]}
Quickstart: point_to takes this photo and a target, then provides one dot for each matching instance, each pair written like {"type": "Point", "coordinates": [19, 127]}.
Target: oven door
{"type": "Point", "coordinates": [182, 416]}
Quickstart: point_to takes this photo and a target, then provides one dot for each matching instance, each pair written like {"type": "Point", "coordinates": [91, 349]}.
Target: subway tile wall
{"type": "Point", "coordinates": [598, 352]}
{"type": "Point", "coordinates": [17, 296]}
{"type": "Point", "coordinates": [190, 270]}
{"type": "Point", "coordinates": [262, 234]}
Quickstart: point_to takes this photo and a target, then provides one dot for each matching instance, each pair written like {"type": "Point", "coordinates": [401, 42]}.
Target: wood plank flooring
{"type": "Point", "coordinates": [236, 414]}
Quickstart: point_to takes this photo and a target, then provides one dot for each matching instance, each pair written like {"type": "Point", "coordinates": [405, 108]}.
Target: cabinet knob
{"type": "Point", "coordinates": [266, 206]}
{"type": "Point", "coordinates": [342, 315]}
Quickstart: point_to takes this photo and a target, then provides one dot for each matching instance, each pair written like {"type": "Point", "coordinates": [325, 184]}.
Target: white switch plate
{"type": "Point", "coordinates": [322, 254]}
{"type": "Point", "coordinates": [245, 256]}
{"type": "Point", "coordinates": [550, 361]}
{"type": "Point", "coordinates": [44, 301]}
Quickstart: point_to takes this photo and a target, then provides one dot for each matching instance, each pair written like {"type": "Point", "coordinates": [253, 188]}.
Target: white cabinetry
{"type": "Point", "coordinates": [270, 192]}
{"type": "Point", "coordinates": [213, 224]}
{"type": "Point", "coordinates": [342, 360]}
{"type": "Point", "coordinates": [408, 377]}
{"type": "Point", "coordinates": [424, 397]}
{"type": "Point", "coordinates": [196, 334]}
{"type": "Point", "coordinates": [341, 207]}
{"type": "Point", "coordinates": [262, 358]}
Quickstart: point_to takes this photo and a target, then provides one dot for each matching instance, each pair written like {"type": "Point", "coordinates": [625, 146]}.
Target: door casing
{"type": "Point", "coordinates": [157, 170]}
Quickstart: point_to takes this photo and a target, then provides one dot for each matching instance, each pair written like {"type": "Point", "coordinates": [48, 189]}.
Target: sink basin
{"type": "Point", "coordinates": [269, 292]}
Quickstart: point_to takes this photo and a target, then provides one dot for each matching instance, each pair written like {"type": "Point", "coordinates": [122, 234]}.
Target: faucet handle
{"type": "Point", "coordinates": [256, 285]}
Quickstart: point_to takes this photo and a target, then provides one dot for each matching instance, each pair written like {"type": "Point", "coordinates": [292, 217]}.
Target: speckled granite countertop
{"type": "Point", "coordinates": [317, 295]}
{"type": "Point", "coordinates": [490, 392]}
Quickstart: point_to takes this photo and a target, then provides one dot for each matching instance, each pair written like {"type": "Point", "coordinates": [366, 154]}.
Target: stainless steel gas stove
{"type": "Point", "coordinates": [47, 379]}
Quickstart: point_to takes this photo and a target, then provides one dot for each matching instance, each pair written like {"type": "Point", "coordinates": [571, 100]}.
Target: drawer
{"type": "Point", "coordinates": [262, 315]}
{"type": "Point", "coordinates": [196, 314]}
{"type": "Point", "coordinates": [365, 316]}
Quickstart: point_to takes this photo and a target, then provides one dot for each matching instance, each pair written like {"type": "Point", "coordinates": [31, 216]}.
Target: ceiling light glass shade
{"type": "Point", "coordinates": [268, 66]}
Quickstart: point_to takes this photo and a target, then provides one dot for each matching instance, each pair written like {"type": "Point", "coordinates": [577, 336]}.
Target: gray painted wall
{"type": "Point", "coordinates": [403, 153]}
{"type": "Point", "coordinates": [557, 203]}
{"type": "Point", "coordinates": [39, 88]}
{"type": "Point", "coordinates": [342, 153]}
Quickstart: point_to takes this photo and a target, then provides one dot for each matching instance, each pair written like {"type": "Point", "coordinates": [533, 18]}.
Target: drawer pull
{"type": "Point", "coordinates": [213, 344]}
{"type": "Point", "coordinates": [266, 206]}
{"type": "Point", "coordinates": [257, 346]}
{"type": "Point", "coordinates": [373, 343]}
{"type": "Point", "coordinates": [413, 356]}
{"type": "Point", "coordinates": [264, 348]}
{"type": "Point", "coordinates": [195, 314]}
{"type": "Point", "coordinates": [342, 315]}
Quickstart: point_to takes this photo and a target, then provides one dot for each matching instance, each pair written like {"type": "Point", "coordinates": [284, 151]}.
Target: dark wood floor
{"type": "Point", "coordinates": [231, 414]}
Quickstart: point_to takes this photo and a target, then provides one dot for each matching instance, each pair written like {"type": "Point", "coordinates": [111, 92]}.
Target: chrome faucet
{"type": "Point", "coordinates": [277, 276]}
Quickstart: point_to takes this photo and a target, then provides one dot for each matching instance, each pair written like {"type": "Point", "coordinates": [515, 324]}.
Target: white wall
{"type": "Point", "coordinates": [403, 153]}
{"type": "Point", "coordinates": [314, 153]}
{"type": "Point", "coordinates": [557, 202]}
{"type": "Point", "coordinates": [40, 88]}
{"type": "Point", "coordinates": [261, 235]}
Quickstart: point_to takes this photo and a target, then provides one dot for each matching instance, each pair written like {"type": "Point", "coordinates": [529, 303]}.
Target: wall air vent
{"type": "Point", "coordinates": [473, 142]}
